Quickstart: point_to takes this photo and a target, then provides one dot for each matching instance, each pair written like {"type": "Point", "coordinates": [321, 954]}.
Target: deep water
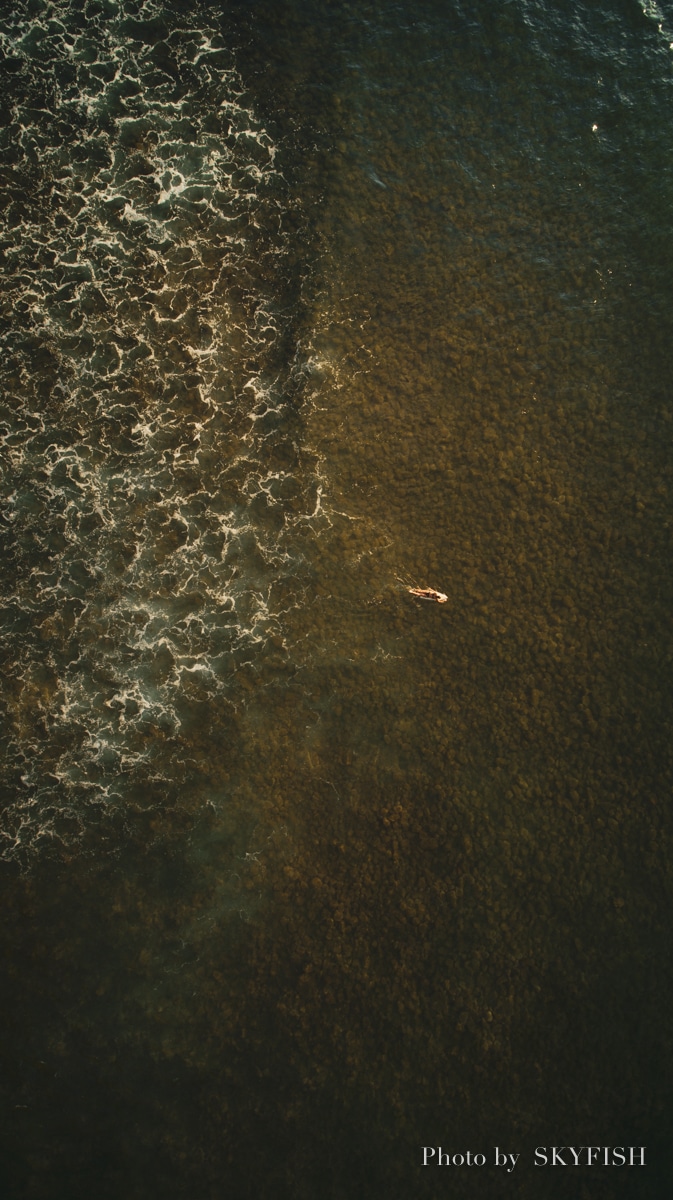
{"type": "Point", "coordinates": [305, 304]}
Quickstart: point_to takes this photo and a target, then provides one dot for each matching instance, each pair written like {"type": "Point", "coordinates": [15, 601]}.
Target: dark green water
{"type": "Point", "coordinates": [304, 304]}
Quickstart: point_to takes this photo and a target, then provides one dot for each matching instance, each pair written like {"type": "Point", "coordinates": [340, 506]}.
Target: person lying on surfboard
{"type": "Point", "coordinates": [425, 593]}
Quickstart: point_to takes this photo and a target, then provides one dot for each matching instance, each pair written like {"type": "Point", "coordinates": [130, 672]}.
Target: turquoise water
{"type": "Point", "coordinates": [305, 305]}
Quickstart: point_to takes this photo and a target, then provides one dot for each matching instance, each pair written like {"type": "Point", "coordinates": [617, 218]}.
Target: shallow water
{"type": "Point", "coordinates": [304, 306]}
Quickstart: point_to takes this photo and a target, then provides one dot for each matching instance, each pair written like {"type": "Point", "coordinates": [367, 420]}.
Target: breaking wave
{"type": "Point", "coordinates": [155, 490]}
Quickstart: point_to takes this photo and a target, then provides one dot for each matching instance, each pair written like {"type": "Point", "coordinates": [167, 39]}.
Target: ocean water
{"type": "Point", "coordinates": [305, 305]}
